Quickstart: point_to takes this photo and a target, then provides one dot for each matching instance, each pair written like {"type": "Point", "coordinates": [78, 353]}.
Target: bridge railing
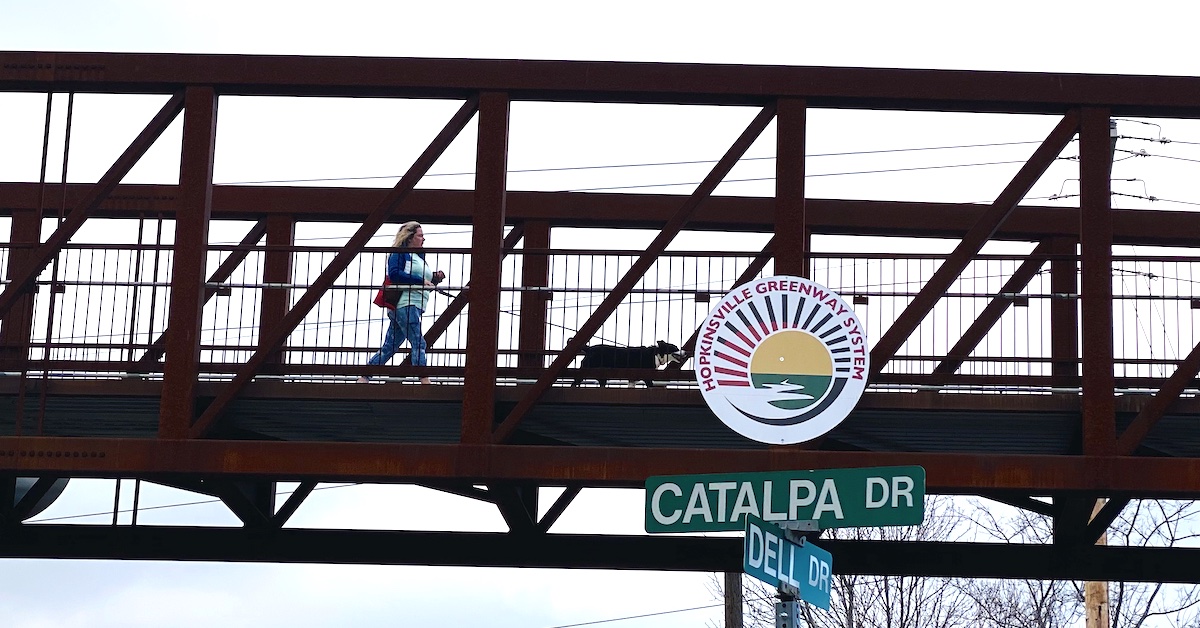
{"type": "Point", "coordinates": [101, 311]}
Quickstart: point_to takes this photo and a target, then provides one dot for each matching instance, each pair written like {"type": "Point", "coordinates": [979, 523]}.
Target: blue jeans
{"type": "Point", "coordinates": [405, 325]}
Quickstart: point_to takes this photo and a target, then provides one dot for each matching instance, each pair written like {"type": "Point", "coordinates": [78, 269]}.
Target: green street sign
{"type": "Point", "coordinates": [768, 554]}
{"type": "Point", "coordinates": [836, 498]}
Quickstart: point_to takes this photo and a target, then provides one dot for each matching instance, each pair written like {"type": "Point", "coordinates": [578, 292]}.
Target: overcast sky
{"type": "Point", "coordinates": [1096, 37]}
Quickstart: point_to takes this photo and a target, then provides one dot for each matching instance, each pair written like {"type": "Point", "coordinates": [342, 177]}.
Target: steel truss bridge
{"type": "Point", "coordinates": [225, 369]}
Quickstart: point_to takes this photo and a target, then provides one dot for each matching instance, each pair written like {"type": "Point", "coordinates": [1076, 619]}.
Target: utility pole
{"type": "Point", "coordinates": [1095, 594]}
{"type": "Point", "coordinates": [733, 599]}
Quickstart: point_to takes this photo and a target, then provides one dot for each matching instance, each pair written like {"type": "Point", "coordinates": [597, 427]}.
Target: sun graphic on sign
{"type": "Point", "coordinates": [795, 366]}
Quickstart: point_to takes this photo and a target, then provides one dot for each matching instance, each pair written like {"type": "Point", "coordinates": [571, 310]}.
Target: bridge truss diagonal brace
{"type": "Point", "coordinates": [39, 258]}
{"type": "Point", "coordinates": [635, 273]}
{"type": "Point", "coordinates": [558, 508]}
{"type": "Point", "coordinates": [987, 225]}
{"type": "Point", "coordinates": [518, 505]}
{"type": "Point", "coordinates": [186, 303]}
{"type": "Point", "coordinates": [1104, 518]}
{"type": "Point", "coordinates": [991, 314]}
{"type": "Point", "coordinates": [220, 275]}
{"type": "Point", "coordinates": [1157, 407]}
{"type": "Point", "coordinates": [251, 502]}
{"type": "Point", "coordinates": [337, 266]}
{"type": "Point", "coordinates": [1152, 412]}
{"type": "Point", "coordinates": [459, 302]}
{"type": "Point", "coordinates": [756, 265]}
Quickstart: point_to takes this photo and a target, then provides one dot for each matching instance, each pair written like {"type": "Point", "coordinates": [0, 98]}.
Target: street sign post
{"type": "Point", "coordinates": [768, 555]}
{"type": "Point", "coordinates": [835, 498]}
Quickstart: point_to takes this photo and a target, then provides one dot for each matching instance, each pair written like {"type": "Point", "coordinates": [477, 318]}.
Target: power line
{"type": "Point", "coordinates": [1156, 140]}
{"type": "Point", "coordinates": [177, 505]}
{"type": "Point", "coordinates": [1155, 198]}
{"type": "Point", "coordinates": [807, 176]}
{"type": "Point", "coordinates": [635, 165]}
{"type": "Point", "coordinates": [1143, 153]}
{"type": "Point", "coordinates": [605, 621]}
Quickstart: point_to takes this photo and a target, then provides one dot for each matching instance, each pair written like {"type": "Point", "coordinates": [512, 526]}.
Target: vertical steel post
{"type": "Point", "coordinates": [16, 328]}
{"type": "Point", "coordinates": [535, 273]}
{"type": "Point", "coordinates": [487, 236]}
{"type": "Point", "coordinates": [1095, 238]}
{"type": "Point", "coordinates": [791, 227]}
{"type": "Point", "coordinates": [277, 269]}
{"type": "Point", "coordinates": [1064, 312]}
{"type": "Point", "coordinates": [187, 273]}
{"type": "Point", "coordinates": [15, 332]}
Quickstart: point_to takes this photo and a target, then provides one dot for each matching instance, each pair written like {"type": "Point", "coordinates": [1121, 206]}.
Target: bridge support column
{"type": "Point", "coordinates": [791, 227]}
{"type": "Point", "coordinates": [277, 269]}
{"type": "Point", "coordinates": [15, 332]}
{"type": "Point", "coordinates": [535, 273]}
{"type": "Point", "coordinates": [1095, 238]}
{"type": "Point", "coordinates": [182, 362]}
{"type": "Point", "coordinates": [1064, 312]}
{"type": "Point", "coordinates": [491, 182]}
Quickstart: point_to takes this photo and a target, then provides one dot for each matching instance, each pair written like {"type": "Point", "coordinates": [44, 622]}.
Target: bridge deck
{"type": "Point", "coordinates": [398, 412]}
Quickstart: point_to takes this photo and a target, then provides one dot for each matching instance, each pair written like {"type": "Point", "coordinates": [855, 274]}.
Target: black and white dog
{"type": "Point", "coordinates": [653, 357]}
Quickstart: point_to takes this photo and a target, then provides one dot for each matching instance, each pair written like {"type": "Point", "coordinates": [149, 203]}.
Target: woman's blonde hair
{"type": "Point", "coordinates": [405, 233]}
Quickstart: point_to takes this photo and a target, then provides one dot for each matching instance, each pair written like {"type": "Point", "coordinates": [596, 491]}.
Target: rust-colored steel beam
{"type": "Point", "coordinates": [487, 235]}
{"type": "Point", "coordinates": [220, 275]}
{"type": "Point", "coordinates": [1095, 292]}
{"type": "Point", "coordinates": [277, 269]}
{"type": "Point", "coordinates": [601, 81]}
{"type": "Point", "coordinates": [791, 226]}
{"type": "Point", "coordinates": [992, 312]}
{"type": "Point", "coordinates": [337, 265]}
{"type": "Point", "coordinates": [535, 273]}
{"type": "Point", "coordinates": [956, 473]}
{"type": "Point", "coordinates": [672, 228]}
{"type": "Point", "coordinates": [972, 242]}
{"type": "Point", "coordinates": [1064, 311]}
{"type": "Point", "coordinates": [21, 282]}
{"type": "Point", "coordinates": [182, 362]}
{"type": "Point", "coordinates": [594, 209]}
{"type": "Point", "coordinates": [17, 328]}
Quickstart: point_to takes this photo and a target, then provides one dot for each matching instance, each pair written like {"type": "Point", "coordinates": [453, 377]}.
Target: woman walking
{"type": "Point", "coordinates": [406, 269]}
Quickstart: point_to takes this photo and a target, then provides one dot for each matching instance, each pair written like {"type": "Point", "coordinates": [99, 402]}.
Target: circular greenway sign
{"type": "Point", "coordinates": [782, 360]}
